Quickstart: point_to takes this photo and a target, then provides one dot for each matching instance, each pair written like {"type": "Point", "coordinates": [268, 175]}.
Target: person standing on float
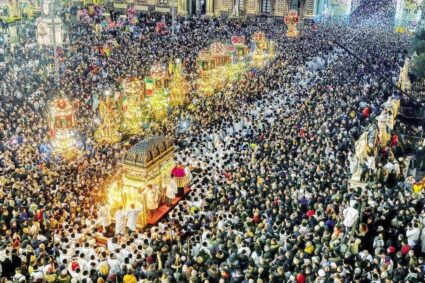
{"type": "Point", "coordinates": [171, 190]}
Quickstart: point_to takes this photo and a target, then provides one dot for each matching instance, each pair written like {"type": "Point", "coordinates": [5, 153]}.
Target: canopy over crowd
{"type": "Point", "coordinates": [270, 199]}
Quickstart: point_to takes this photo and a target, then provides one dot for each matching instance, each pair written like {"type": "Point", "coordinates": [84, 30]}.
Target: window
{"type": "Point", "coordinates": [240, 4]}
{"type": "Point", "coordinates": [295, 5]}
{"type": "Point", "coordinates": [266, 6]}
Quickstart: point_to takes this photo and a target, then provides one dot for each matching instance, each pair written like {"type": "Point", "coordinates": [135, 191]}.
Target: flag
{"type": "Point", "coordinates": [149, 86]}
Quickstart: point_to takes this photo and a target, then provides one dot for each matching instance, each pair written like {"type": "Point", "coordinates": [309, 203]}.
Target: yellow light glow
{"type": "Point", "coordinates": [131, 185]}
{"type": "Point", "coordinates": [108, 131]}
{"type": "Point", "coordinates": [178, 86]}
{"type": "Point", "coordinates": [158, 107]}
{"type": "Point", "coordinates": [132, 105]}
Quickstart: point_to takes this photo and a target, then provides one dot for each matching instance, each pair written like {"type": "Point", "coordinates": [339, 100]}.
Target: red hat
{"type": "Point", "coordinates": [74, 265]}
{"type": "Point", "coordinates": [310, 213]}
{"type": "Point", "coordinates": [391, 250]}
{"type": "Point", "coordinates": [300, 278]}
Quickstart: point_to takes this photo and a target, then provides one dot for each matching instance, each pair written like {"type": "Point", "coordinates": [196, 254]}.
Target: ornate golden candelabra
{"type": "Point", "coordinates": [178, 86]}
{"type": "Point", "coordinates": [158, 103]}
{"type": "Point", "coordinates": [259, 57]}
{"type": "Point", "coordinates": [131, 101]}
{"type": "Point", "coordinates": [206, 64]}
{"type": "Point", "coordinates": [108, 131]}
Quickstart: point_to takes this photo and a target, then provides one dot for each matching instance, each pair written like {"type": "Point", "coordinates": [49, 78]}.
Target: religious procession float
{"type": "Point", "coordinates": [157, 92]}
{"type": "Point", "coordinates": [131, 102]}
{"type": "Point", "coordinates": [12, 11]}
{"type": "Point", "coordinates": [218, 67]}
{"type": "Point", "coordinates": [292, 20]}
{"type": "Point", "coordinates": [142, 180]}
{"type": "Point", "coordinates": [222, 65]}
{"type": "Point", "coordinates": [49, 33]}
{"type": "Point", "coordinates": [138, 105]}
{"type": "Point", "coordinates": [109, 129]}
{"type": "Point", "coordinates": [62, 128]}
{"type": "Point", "coordinates": [179, 86]}
{"type": "Point", "coordinates": [264, 49]}
{"type": "Point", "coordinates": [241, 49]}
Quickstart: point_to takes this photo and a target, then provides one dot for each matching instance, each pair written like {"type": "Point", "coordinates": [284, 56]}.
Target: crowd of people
{"type": "Point", "coordinates": [270, 199]}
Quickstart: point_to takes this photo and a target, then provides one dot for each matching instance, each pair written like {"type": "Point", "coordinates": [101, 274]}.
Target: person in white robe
{"type": "Point", "coordinates": [105, 216]}
{"type": "Point", "coordinates": [132, 216]}
{"type": "Point", "coordinates": [188, 173]}
{"type": "Point", "coordinates": [171, 190]}
{"type": "Point", "coordinates": [353, 163]}
{"type": "Point", "coordinates": [152, 199]}
{"type": "Point", "coordinates": [120, 220]}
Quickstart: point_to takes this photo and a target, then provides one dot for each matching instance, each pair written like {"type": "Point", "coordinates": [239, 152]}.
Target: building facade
{"type": "Point", "coordinates": [307, 9]}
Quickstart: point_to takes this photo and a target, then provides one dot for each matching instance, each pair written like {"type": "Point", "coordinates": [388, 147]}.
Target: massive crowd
{"type": "Point", "coordinates": [270, 200]}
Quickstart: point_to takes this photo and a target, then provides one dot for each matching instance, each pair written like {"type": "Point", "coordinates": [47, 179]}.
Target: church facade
{"type": "Point", "coordinates": [307, 9]}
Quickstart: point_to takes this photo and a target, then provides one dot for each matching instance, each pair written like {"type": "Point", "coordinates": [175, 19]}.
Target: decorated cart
{"type": "Point", "coordinates": [220, 54]}
{"type": "Point", "coordinates": [159, 75]}
{"type": "Point", "coordinates": [131, 100]}
{"type": "Point", "coordinates": [157, 90]}
{"type": "Point", "coordinates": [179, 87]}
{"type": "Point", "coordinates": [241, 49]}
{"type": "Point", "coordinates": [205, 62]}
{"type": "Point", "coordinates": [62, 125]}
{"type": "Point", "coordinates": [144, 175]}
{"type": "Point", "coordinates": [291, 20]}
{"type": "Point", "coordinates": [108, 131]}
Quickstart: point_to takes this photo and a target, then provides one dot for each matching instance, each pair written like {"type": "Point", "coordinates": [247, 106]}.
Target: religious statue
{"type": "Point", "coordinates": [45, 8]}
{"type": "Point", "coordinates": [42, 29]}
{"type": "Point", "coordinates": [235, 12]}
